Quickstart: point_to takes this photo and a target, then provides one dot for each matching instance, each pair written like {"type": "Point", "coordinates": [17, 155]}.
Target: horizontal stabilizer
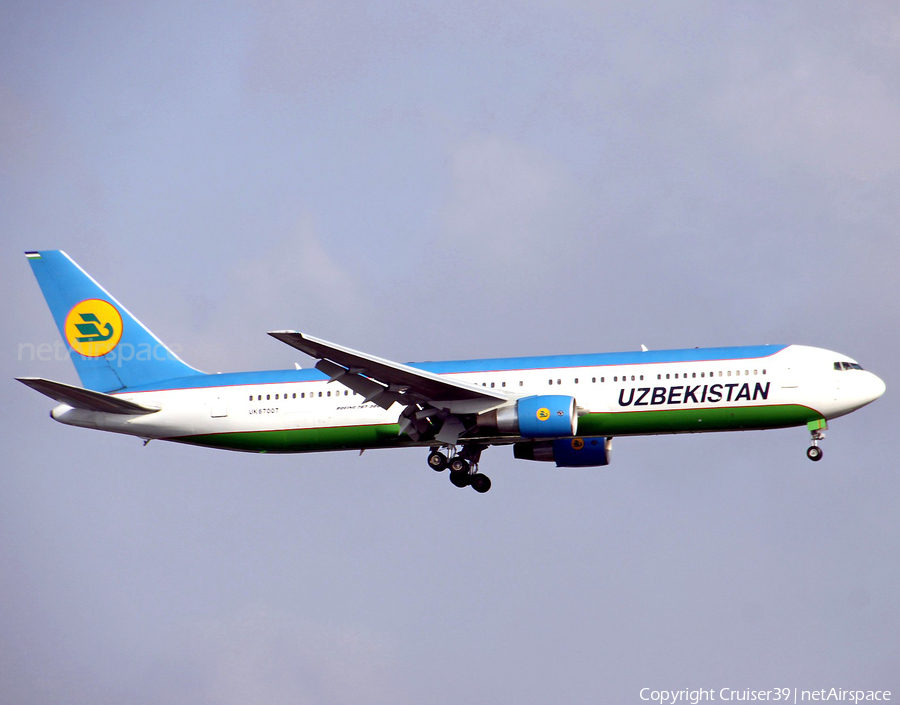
{"type": "Point", "coordinates": [86, 399]}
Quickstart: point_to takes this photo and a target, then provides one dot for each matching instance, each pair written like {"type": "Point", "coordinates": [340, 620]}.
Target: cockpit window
{"type": "Point", "coordinates": [840, 366]}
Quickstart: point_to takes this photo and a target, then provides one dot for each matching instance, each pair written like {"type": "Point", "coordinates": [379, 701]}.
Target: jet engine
{"type": "Point", "coordinates": [540, 416]}
{"type": "Point", "coordinates": [567, 452]}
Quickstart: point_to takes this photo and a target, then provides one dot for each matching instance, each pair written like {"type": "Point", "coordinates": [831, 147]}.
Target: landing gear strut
{"type": "Point", "coordinates": [463, 466]}
{"type": "Point", "coordinates": [814, 452]}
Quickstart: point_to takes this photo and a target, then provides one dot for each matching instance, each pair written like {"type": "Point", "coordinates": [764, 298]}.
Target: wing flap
{"type": "Point", "coordinates": [385, 382]}
{"type": "Point", "coordinates": [86, 399]}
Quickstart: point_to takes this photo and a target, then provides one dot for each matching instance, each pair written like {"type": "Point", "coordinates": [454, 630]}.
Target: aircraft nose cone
{"type": "Point", "coordinates": [878, 387]}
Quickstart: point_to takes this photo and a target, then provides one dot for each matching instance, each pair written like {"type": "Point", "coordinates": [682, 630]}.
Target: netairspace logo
{"type": "Point", "coordinates": [122, 354]}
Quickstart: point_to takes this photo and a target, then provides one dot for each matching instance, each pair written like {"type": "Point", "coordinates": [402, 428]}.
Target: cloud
{"type": "Point", "coordinates": [822, 113]}
{"type": "Point", "coordinates": [258, 654]}
{"type": "Point", "coordinates": [313, 49]}
{"type": "Point", "coordinates": [292, 281]}
{"type": "Point", "coordinates": [506, 204]}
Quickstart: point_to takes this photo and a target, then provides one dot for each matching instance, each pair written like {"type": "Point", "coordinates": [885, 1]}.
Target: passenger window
{"type": "Point", "coordinates": [268, 397]}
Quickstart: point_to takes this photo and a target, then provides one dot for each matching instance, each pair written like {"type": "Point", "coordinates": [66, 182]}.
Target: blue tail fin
{"type": "Point", "coordinates": [111, 349]}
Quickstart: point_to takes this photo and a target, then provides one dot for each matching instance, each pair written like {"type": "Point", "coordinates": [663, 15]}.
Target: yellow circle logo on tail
{"type": "Point", "coordinates": [543, 414]}
{"type": "Point", "coordinates": [93, 327]}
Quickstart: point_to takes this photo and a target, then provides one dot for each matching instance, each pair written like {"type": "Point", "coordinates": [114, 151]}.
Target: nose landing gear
{"type": "Point", "coordinates": [816, 433]}
{"type": "Point", "coordinates": [463, 466]}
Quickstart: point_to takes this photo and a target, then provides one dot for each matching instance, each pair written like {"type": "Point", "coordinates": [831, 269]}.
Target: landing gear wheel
{"type": "Point", "coordinates": [460, 479]}
{"type": "Point", "coordinates": [460, 465]}
{"type": "Point", "coordinates": [480, 483]}
{"type": "Point", "coordinates": [437, 461]}
{"type": "Point", "coordinates": [814, 453]}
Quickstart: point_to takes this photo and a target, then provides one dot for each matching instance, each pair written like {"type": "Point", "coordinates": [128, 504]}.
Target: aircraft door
{"type": "Point", "coordinates": [789, 378]}
{"type": "Point", "coordinates": [218, 408]}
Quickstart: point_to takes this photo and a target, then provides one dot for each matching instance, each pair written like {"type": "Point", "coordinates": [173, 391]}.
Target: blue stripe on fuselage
{"type": "Point", "coordinates": [506, 364]}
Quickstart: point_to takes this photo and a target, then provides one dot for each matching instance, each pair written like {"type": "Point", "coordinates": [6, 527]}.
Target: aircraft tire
{"type": "Point", "coordinates": [814, 453]}
{"type": "Point", "coordinates": [458, 464]}
{"type": "Point", "coordinates": [437, 461]}
{"type": "Point", "coordinates": [480, 483]}
{"type": "Point", "coordinates": [459, 479]}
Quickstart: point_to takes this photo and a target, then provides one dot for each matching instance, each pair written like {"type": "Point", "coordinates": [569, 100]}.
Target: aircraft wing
{"type": "Point", "coordinates": [87, 399]}
{"type": "Point", "coordinates": [384, 382]}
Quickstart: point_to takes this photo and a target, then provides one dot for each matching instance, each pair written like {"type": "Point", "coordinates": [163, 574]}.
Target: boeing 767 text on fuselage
{"type": "Point", "coordinates": [564, 409]}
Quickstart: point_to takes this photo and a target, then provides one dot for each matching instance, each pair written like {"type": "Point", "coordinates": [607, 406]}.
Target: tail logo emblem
{"type": "Point", "coordinates": [93, 327]}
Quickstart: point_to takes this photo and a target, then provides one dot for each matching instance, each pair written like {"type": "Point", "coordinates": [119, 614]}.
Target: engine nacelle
{"type": "Point", "coordinates": [541, 416]}
{"type": "Point", "coordinates": [567, 452]}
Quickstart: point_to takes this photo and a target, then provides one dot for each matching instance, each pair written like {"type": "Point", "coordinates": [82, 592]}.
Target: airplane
{"type": "Point", "coordinates": [564, 409]}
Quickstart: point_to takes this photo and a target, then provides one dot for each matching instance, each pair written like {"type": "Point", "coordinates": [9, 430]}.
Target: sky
{"type": "Point", "coordinates": [442, 181]}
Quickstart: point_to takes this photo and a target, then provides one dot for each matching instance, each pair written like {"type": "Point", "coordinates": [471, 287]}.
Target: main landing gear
{"type": "Point", "coordinates": [463, 466]}
{"type": "Point", "coordinates": [814, 452]}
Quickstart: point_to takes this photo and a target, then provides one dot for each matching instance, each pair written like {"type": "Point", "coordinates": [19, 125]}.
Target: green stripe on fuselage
{"type": "Point", "coordinates": [734, 418]}
{"type": "Point", "coordinates": [302, 439]}
{"type": "Point", "coordinates": [738, 418]}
